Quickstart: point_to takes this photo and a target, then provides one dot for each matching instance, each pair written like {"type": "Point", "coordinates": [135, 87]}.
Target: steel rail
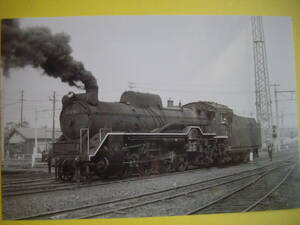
{"type": "Point", "coordinates": [271, 191]}
{"type": "Point", "coordinates": [33, 186]}
{"type": "Point", "coordinates": [21, 181]}
{"type": "Point", "coordinates": [149, 194]}
{"type": "Point", "coordinates": [167, 197]}
{"type": "Point", "coordinates": [229, 194]}
{"type": "Point", "coordinates": [70, 186]}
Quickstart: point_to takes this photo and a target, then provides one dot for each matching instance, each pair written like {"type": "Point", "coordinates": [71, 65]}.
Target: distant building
{"type": "Point", "coordinates": [20, 144]}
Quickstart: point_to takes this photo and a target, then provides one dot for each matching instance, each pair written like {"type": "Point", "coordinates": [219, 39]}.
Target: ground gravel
{"type": "Point", "coordinates": [21, 206]}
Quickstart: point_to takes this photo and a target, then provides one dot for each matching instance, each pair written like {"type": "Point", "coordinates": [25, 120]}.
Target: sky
{"type": "Point", "coordinates": [185, 58]}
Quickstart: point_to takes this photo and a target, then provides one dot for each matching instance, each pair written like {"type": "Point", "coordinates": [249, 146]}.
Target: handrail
{"type": "Point", "coordinates": [153, 134]}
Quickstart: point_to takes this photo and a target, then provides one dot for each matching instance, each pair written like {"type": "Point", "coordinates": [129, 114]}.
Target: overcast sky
{"type": "Point", "coordinates": [186, 58]}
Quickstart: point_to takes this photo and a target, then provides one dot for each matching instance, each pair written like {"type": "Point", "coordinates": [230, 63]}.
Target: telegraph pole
{"type": "Point", "coordinates": [277, 139]}
{"type": "Point", "coordinates": [276, 103]}
{"type": "Point", "coordinates": [35, 140]}
{"type": "Point", "coordinates": [282, 120]}
{"type": "Point", "coordinates": [276, 92]}
{"type": "Point", "coordinates": [53, 116]}
{"type": "Point", "coordinates": [22, 100]}
{"type": "Point", "coordinates": [53, 99]}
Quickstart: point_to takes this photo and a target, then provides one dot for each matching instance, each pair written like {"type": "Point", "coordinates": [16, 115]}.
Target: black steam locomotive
{"type": "Point", "coordinates": [139, 135]}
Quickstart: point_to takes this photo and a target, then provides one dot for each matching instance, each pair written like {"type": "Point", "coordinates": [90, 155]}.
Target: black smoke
{"type": "Point", "coordinates": [38, 47]}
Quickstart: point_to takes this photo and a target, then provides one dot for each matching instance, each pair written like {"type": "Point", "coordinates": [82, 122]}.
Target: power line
{"type": "Point", "coordinates": [42, 110]}
{"type": "Point", "coordinates": [14, 103]}
{"type": "Point", "coordinates": [27, 100]}
{"type": "Point", "coordinates": [287, 100]}
{"type": "Point", "coordinates": [36, 100]}
{"type": "Point", "coordinates": [192, 91]}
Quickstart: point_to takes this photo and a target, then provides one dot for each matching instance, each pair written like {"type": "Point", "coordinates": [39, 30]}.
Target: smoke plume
{"type": "Point", "coordinates": [38, 47]}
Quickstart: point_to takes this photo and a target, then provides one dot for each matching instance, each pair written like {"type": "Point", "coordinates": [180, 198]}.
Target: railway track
{"type": "Point", "coordinates": [43, 185]}
{"type": "Point", "coordinates": [27, 184]}
{"type": "Point", "coordinates": [237, 201]}
{"type": "Point", "coordinates": [114, 207]}
{"type": "Point", "coordinates": [259, 201]}
{"type": "Point", "coordinates": [25, 181]}
{"type": "Point", "coordinates": [35, 186]}
{"type": "Point", "coordinates": [19, 188]}
{"type": "Point", "coordinates": [24, 177]}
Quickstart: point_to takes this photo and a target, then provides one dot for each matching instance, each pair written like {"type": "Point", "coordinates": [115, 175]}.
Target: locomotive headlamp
{"type": "Point", "coordinates": [71, 94]}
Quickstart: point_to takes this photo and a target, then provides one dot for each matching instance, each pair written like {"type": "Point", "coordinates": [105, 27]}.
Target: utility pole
{"type": "Point", "coordinates": [276, 103]}
{"type": "Point", "coordinates": [22, 100]}
{"type": "Point", "coordinates": [282, 120]}
{"type": "Point", "coordinates": [53, 99]}
{"type": "Point", "coordinates": [277, 145]}
{"type": "Point", "coordinates": [276, 92]}
{"type": "Point", "coordinates": [35, 140]}
{"type": "Point", "coordinates": [262, 83]}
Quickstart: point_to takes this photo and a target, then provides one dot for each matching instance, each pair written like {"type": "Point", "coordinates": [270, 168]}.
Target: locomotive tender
{"type": "Point", "coordinates": [146, 137]}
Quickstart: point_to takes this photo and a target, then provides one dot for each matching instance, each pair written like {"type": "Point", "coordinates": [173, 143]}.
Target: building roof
{"type": "Point", "coordinates": [42, 133]}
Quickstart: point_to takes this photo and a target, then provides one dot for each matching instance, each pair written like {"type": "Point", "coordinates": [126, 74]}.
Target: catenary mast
{"type": "Point", "coordinates": [262, 83]}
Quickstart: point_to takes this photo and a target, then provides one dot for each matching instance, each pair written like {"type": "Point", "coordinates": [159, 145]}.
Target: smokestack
{"type": "Point", "coordinates": [38, 47]}
{"type": "Point", "coordinates": [91, 88]}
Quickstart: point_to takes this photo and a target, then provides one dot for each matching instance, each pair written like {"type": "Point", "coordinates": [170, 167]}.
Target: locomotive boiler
{"type": "Point", "coordinates": [145, 136]}
{"type": "Point", "coordinates": [136, 112]}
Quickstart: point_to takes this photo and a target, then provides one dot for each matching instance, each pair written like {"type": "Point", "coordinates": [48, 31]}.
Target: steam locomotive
{"type": "Point", "coordinates": [138, 135]}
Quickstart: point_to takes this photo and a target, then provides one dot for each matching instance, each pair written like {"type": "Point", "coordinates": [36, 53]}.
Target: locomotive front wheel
{"type": "Point", "coordinates": [181, 164]}
{"type": "Point", "coordinates": [165, 166]}
{"type": "Point", "coordinates": [144, 169]}
{"type": "Point", "coordinates": [66, 171]}
{"type": "Point", "coordinates": [141, 168]}
{"type": "Point", "coordinates": [122, 172]}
